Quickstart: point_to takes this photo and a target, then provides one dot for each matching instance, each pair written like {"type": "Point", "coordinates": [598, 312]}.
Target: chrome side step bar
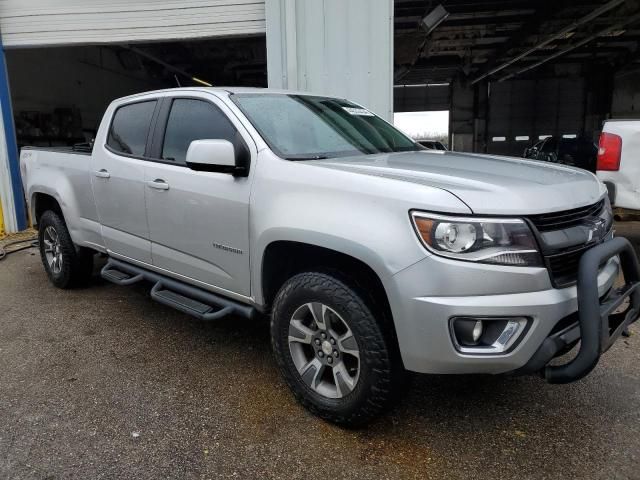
{"type": "Point", "coordinates": [191, 300]}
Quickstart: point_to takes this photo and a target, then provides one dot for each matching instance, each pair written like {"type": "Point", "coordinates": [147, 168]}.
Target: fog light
{"type": "Point", "coordinates": [468, 331]}
{"type": "Point", "coordinates": [477, 330]}
{"type": "Point", "coordinates": [487, 334]}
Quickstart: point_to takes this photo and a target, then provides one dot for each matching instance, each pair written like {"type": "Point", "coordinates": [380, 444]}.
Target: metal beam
{"type": "Point", "coordinates": [569, 28]}
{"type": "Point", "coordinates": [574, 46]}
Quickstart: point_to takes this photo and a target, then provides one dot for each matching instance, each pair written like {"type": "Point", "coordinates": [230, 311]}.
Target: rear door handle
{"type": "Point", "coordinates": [102, 173]}
{"type": "Point", "coordinates": [158, 184]}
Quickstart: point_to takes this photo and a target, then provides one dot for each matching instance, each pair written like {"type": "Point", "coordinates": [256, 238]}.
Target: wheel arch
{"type": "Point", "coordinates": [41, 202]}
{"type": "Point", "coordinates": [282, 259]}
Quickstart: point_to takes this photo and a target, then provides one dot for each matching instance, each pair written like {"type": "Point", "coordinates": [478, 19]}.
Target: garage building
{"type": "Point", "coordinates": [509, 72]}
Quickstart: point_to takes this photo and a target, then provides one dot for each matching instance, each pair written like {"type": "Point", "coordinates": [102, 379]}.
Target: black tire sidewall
{"type": "Point", "coordinates": [64, 278]}
{"type": "Point", "coordinates": [374, 357]}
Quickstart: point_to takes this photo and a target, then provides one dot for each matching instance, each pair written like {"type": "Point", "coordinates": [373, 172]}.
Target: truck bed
{"type": "Point", "coordinates": [79, 149]}
{"type": "Point", "coordinates": [63, 173]}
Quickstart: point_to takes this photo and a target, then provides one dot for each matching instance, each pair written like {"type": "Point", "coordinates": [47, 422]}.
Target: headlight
{"type": "Point", "coordinates": [486, 240]}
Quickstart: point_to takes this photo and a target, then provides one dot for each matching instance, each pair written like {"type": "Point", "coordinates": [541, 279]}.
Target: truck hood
{"type": "Point", "coordinates": [487, 184]}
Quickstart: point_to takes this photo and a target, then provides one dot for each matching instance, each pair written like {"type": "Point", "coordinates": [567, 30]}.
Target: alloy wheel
{"type": "Point", "coordinates": [52, 249]}
{"type": "Point", "coordinates": [324, 350]}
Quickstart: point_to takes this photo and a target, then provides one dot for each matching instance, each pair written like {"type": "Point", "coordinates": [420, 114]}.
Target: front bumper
{"type": "Point", "coordinates": [422, 321]}
{"type": "Point", "coordinates": [600, 322]}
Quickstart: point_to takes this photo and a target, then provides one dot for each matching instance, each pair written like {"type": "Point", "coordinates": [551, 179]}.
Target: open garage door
{"type": "Point", "coordinates": [60, 93]}
{"type": "Point", "coordinates": [68, 22]}
{"type": "Point", "coordinates": [67, 60]}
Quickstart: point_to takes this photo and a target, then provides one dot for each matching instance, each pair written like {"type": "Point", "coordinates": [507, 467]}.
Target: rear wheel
{"type": "Point", "coordinates": [65, 264]}
{"type": "Point", "coordinates": [332, 350]}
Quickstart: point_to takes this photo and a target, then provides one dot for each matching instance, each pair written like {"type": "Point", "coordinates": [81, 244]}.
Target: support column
{"type": "Point", "coordinates": [333, 47]}
{"type": "Point", "coordinates": [461, 117]}
{"type": "Point", "coordinates": [1, 222]}
{"type": "Point", "coordinates": [11, 197]}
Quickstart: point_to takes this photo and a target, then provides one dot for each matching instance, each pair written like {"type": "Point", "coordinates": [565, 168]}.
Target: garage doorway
{"type": "Point", "coordinates": [60, 93]}
{"type": "Point", "coordinates": [432, 126]}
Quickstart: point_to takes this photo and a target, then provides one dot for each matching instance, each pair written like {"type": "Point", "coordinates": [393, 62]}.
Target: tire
{"type": "Point", "coordinates": [353, 389]}
{"type": "Point", "coordinates": [66, 265]}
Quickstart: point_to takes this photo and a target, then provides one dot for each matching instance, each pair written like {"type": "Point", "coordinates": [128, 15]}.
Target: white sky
{"type": "Point", "coordinates": [422, 124]}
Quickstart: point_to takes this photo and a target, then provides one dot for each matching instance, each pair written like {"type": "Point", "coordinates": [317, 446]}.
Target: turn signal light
{"type": "Point", "coordinates": [609, 152]}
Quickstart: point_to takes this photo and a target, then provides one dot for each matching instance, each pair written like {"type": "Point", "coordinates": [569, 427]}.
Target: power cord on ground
{"type": "Point", "coordinates": [31, 242]}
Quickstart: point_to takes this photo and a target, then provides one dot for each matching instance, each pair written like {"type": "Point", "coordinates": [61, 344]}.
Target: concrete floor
{"type": "Point", "coordinates": [102, 382]}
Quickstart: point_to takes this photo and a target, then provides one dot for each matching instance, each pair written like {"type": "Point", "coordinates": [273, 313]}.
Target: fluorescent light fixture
{"type": "Point", "coordinates": [423, 85]}
{"type": "Point", "coordinates": [615, 33]}
{"type": "Point", "coordinates": [431, 21]}
{"type": "Point", "coordinates": [411, 86]}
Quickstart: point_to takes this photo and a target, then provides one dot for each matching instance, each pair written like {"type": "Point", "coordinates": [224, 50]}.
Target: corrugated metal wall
{"type": "Point", "coordinates": [333, 47]}
{"type": "Point", "coordinates": [65, 22]}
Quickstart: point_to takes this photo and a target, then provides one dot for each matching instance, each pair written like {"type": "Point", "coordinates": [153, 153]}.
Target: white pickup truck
{"type": "Point", "coordinates": [619, 163]}
{"type": "Point", "coordinates": [372, 255]}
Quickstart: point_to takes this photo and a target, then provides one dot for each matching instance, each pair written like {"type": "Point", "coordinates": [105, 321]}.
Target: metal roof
{"type": "Point", "coordinates": [480, 36]}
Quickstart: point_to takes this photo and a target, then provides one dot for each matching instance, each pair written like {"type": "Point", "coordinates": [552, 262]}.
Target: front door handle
{"type": "Point", "coordinates": [102, 173]}
{"type": "Point", "coordinates": [158, 184]}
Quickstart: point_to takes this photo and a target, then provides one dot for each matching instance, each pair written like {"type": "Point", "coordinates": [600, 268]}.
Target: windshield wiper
{"type": "Point", "coordinates": [307, 157]}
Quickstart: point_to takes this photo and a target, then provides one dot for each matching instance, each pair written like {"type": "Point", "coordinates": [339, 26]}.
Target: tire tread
{"type": "Point", "coordinates": [77, 263]}
{"type": "Point", "coordinates": [384, 390]}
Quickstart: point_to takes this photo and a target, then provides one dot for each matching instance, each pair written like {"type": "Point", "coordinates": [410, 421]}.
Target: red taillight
{"type": "Point", "coordinates": [609, 152]}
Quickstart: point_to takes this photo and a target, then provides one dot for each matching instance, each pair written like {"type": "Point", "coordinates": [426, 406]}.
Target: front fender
{"type": "Point", "coordinates": [365, 217]}
{"type": "Point", "coordinates": [316, 238]}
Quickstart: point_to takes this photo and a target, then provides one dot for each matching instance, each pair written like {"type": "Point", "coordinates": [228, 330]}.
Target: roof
{"type": "Point", "coordinates": [497, 39]}
{"type": "Point", "coordinates": [232, 90]}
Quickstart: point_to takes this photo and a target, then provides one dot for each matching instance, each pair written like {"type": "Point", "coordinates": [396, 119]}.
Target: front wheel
{"type": "Point", "coordinates": [332, 350]}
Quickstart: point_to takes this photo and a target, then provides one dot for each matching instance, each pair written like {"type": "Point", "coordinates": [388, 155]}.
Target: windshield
{"type": "Point", "coordinates": [301, 127]}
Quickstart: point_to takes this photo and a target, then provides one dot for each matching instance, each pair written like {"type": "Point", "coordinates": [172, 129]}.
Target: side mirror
{"type": "Point", "coordinates": [212, 156]}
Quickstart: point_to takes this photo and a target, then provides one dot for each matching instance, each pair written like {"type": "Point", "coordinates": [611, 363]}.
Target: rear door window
{"type": "Point", "coordinates": [130, 128]}
{"type": "Point", "coordinates": [192, 119]}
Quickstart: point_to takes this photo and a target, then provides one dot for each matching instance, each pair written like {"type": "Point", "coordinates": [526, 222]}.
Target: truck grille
{"type": "Point", "coordinates": [563, 265]}
{"type": "Point", "coordinates": [568, 218]}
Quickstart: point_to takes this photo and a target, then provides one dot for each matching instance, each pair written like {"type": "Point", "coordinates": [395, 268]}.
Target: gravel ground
{"type": "Point", "coordinates": [102, 382]}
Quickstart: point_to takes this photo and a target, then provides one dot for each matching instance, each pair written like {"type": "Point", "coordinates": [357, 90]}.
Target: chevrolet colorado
{"type": "Point", "coordinates": [372, 255]}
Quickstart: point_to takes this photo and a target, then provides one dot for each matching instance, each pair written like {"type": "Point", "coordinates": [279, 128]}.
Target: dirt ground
{"type": "Point", "coordinates": [102, 382]}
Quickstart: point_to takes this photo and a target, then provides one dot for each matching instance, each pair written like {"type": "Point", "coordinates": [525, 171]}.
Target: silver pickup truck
{"type": "Point", "coordinates": [371, 255]}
